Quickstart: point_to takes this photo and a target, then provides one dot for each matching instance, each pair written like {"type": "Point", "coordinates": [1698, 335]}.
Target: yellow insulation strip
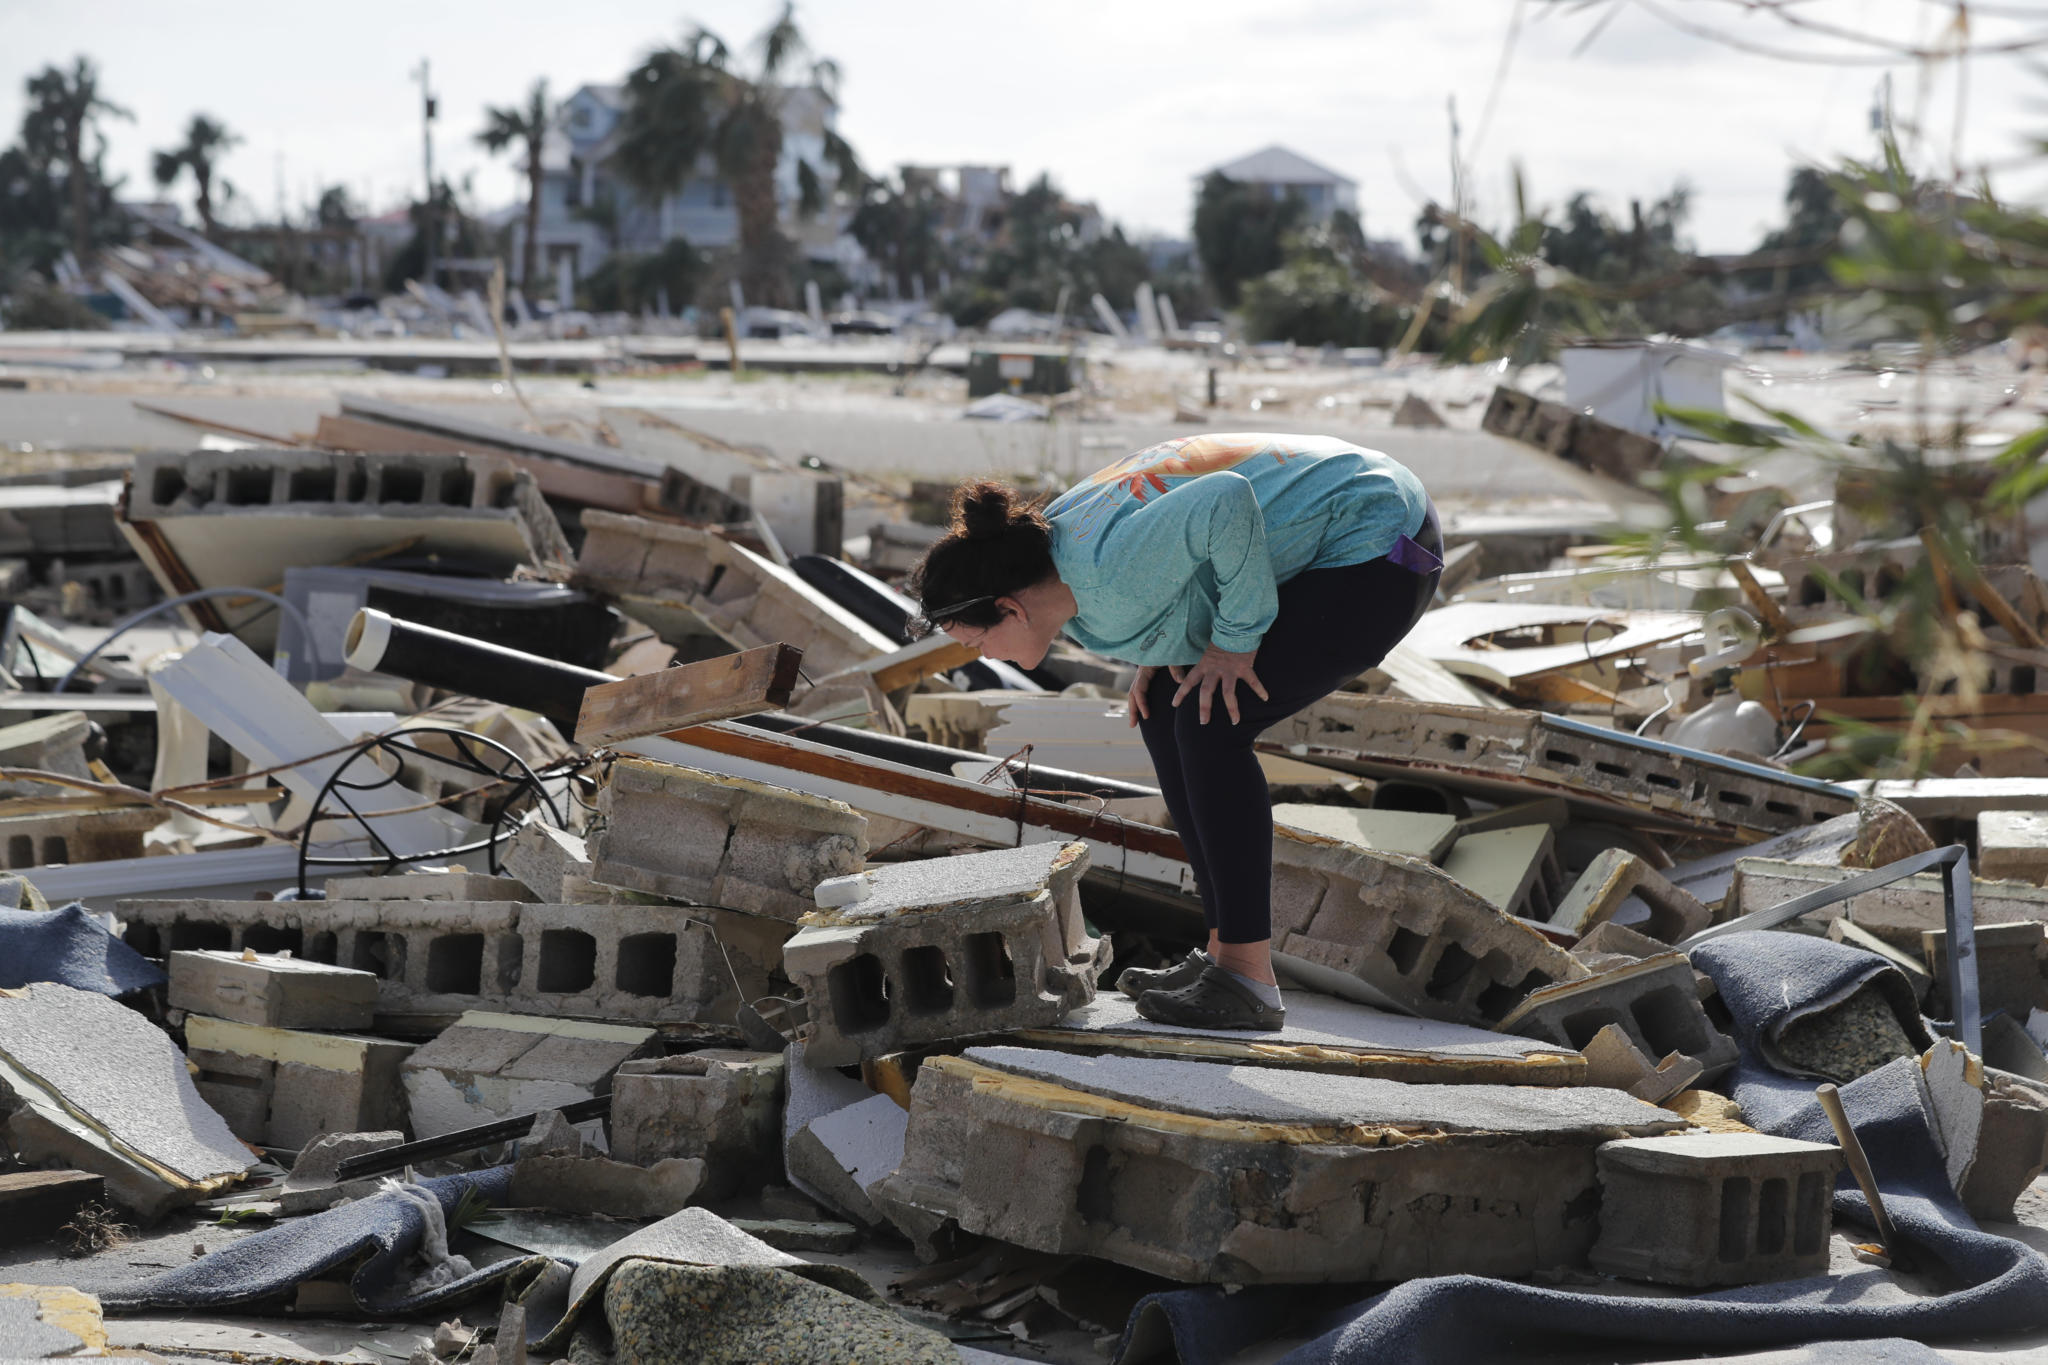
{"type": "Point", "coordinates": [1308, 1056]}
{"type": "Point", "coordinates": [1046, 1095]}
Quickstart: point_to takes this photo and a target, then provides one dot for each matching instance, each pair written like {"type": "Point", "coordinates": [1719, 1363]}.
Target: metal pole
{"type": "Point", "coordinates": [430, 226]}
{"type": "Point", "coordinates": [1960, 911]}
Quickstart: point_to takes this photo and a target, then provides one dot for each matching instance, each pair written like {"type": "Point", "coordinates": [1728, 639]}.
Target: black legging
{"type": "Point", "coordinates": [1333, 625]}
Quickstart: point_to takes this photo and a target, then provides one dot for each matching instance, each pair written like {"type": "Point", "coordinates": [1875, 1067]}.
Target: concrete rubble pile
{"type": "Point", "coordinates": [467, 834]}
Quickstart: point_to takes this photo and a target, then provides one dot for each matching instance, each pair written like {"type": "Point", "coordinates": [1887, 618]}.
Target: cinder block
{"type": "Point", "coordinates": [947, 949]}
{"type": "Point", "coordinates": [435, 959]}
{"type": "Point", "coordinates": [543, 857]}
{"type": "Point", "coordinates": [1656, 1002]}
{"type": "Point", "coordinates": [1245, 1175]}
{"type": "Point", "coordinates": [2012, 968]}
{"type": "Point", "coordinates": [2012, 845]}
{"type": "Point", "coordinates": [54, 743]}
{"type": "Point", "coordinates": [723, 1106]}
{"type": "Point", "coordinates": [1609, 880]}
{"type": "Point", "coordinates": [285, 1088]}
{"type": "Point", "coordinates": [1616, 1063]}
{"type": "Point", "coordinates": [1477, 750]}
{"type": "Point", "coordinates": [429, 886]}
{"type": "Point", "coordinates": [1410, 936]}
{"type": "Point", "coordinates": [1707, 1209]}
{"type": "Point", "coordinates": [272, 990]}
{"type": "Point", "coordinates": [490, 1066]}
{"type": "Point", "coordinates": [723, 841]}
{"type": "Point", "coordinates": [85, 837]}
{"type": "Point", "coordinates": [1898, 912]}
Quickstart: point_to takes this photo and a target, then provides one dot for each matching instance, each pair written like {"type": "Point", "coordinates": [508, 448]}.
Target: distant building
{"type": "Point", "coordinates": [1282, 172]}
{"type": "Point", "coordinates": [586, 213]}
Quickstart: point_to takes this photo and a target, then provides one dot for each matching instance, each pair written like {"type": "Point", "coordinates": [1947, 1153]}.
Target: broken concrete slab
{"type": "Point", "coordinates": [54, 743]}
{"type": "Point", "coordinates": [1611, 878]}
{"type": "Point", "coordinates": [319, 1160]}
{"type": "Point", "coordinates": [2012, 845]}
{"type": "Point", "coordinates": [1412, 834]}
{"type": "Point", "coordinates": [544, 857]}
{"type": "Point", "coordinates": [97, 1087]}
{"type": "Point", "coordinates": [723, 841]}
{"type": "Point", "coordinates": [683, 582]}
{"type": "Point", "coordinates": [790, 1234]}
{"type": "Point", "coordinates": [1655, 1002]}
{"type": "Point", "coordinates": [272, 990]}
{"type": "Point", "coordinates": [1400, 934]}
{"type": "Point", "coordinates": [286, 1087]}
{"type": "Point", "coordinates": [842, 1153]}
{"type": "Point", "coordinates": [430, 884]}
{"type": "Point", "coordinates": [492, 1066]}
{"type": "Point", "coordinates": [1514, 869]}
{"type": "Point", "coordinates": [1514, 755]}
{"type": "Point", "coordinates": [721, 1105]}
{"type": "Point", "coordinates": [812, 1092]}
{"type": "Point", "coordinates": [1239, 1174]}
{"type": "Point", "coordinates": [1324, 1033]}
{"type": "Point", "coordinates": [1709, 1209]}
{"type": "Point", "coordinates": [946, 949]}
{"type": "Point", "coordinates": [598, 1185]}
{"type": "Point", "coordinates": [2012, 1147]}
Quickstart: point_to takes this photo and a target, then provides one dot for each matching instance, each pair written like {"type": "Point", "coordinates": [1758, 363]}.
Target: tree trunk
{"type": "Point", "coordinates": [202, 199]}
{"type": "Point", "coordinates": [74, 163]}
{"type": "Point", "coordinates": [764, 251]}
{"type": "Point", "coordinates": [533, 183]}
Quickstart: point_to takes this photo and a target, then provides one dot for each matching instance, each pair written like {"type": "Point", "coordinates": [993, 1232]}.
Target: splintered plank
{"type": "Point", "coordinates": [742, 684]}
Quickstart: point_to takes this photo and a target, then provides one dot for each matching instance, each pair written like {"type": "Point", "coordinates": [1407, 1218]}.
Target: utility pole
{"type": "Point", "coordinates": [430, 225]}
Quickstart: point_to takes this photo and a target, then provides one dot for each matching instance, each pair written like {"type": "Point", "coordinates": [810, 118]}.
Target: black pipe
{"type": "Point", "coordinates": [380, 643]}
{"type": "Point", "coordinates": [463, 1140]}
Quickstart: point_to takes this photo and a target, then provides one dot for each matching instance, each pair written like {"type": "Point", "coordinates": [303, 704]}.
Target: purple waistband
{"type": "Point", "coordinates": [1413, 557]}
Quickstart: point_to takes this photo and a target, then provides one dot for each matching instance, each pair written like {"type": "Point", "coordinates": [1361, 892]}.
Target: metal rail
{"type": "Point", "coordinates": [1957, 909]}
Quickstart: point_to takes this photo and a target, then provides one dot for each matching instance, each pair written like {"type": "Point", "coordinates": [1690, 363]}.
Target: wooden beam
{"type": "Point", "coordinates": [1775, 622]}
{"type": "Point", "coordinates": [1967, 578]}
{"type": "Point", "coordinates": [741, 684]}
{"type": "Point", "coordinates": [913, 663]}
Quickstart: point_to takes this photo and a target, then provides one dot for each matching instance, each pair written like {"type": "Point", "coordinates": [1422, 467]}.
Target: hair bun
{"type": "Point", "coordinates": [985, 510]}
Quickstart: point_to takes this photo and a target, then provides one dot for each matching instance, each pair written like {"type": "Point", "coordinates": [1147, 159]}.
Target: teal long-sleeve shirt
{"type": "Point", "coordinates": [1185, 544]}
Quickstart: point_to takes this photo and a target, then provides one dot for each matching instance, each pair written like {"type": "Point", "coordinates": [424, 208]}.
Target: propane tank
{"type": "Point", "coordinates": [1728, 722]}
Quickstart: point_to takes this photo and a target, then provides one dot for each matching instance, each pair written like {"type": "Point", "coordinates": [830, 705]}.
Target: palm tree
{"type": "Point", "coordinates": [205, 142]}
{"type": "Point", "coordinates": [506, 125]}
{"type": "Point", "coordinates": [61, 107]}
{"type": "Point", "coordinates": [684, 102]}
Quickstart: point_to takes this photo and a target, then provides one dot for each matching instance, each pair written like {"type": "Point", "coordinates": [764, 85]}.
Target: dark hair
{"type": "Point", "coordinates": [999, 544]}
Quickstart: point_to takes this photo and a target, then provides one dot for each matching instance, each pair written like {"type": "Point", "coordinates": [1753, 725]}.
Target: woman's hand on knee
{"type": "Point", "coordinates": [1219, 668]}
{"type": "Point", "coordinates": [1140, 709]}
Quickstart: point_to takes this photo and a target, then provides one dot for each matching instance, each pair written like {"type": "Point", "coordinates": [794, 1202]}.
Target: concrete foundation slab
{"type": "Point", "coordinates": [1237, 1174]}
{"type": "Point", "coordinates": [492, 1066]}
{"type": "Point", "coordinates": [1324, 1033]}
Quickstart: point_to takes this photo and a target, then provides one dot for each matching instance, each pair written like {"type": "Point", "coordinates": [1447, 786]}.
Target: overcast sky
{"type": "Point", "coordinates": [1123, 101]}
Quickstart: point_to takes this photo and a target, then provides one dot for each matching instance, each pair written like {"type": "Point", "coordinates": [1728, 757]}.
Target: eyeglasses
{"type": "Point", "coordinates": [924, 623]}
{"type": "Point", "coordinates": [948, 613]}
